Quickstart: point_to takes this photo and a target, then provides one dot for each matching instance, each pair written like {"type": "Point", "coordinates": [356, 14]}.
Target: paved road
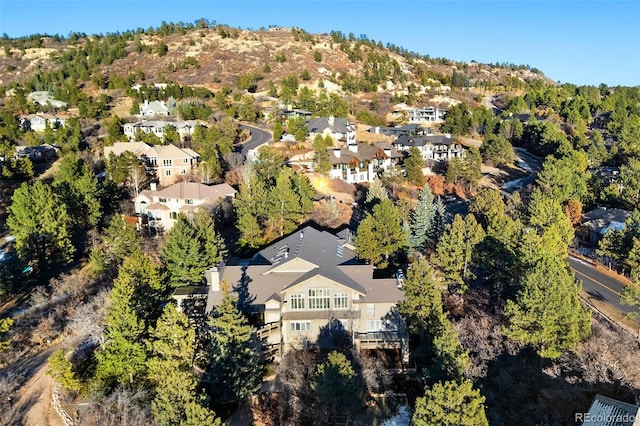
{"type": "Point", "coordinates": [599, 286]}
{"type": "Point", "coordinates": [258, 137]}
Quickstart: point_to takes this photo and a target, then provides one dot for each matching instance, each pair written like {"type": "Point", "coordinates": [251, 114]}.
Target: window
{"type": "Point", "coordinates": [173, 215]}
{"type": "Point", "coordinates": [167, 172]}
{"type": "Point", "coordinates": [188, 201]}
{"type": "Point", "coordinates": [371, 309]}
{"type": "Point", "coordinates": [319, 298]}
{"type": "Point", "coordinates": [185, 161]}
{"type": "Point", "coordinates": [375, 325]}
{"type": "Point", "coordinates": [296, 301]}
{"type": "Point", "coordinates": [162, 200]}
{"type": "Point", "coordinates": [300, 325]}
{"type": "Point", "coordinates": [167, 162]}
{"type": "Point", "coordinates": [340, 301]}
{"type": "Point", "coordinates": [183, 171]}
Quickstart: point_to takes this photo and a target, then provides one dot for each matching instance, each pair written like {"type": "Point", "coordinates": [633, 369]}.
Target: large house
{"type": "Point", "coordinates": [308, 289]}
{"type": "Point", "coordinates": [39, 122]}
{"type": "Point", "coordinates": [427, 114]}
{"type": "Point", "coordinates": [339, 128]}
{"type": "Point", "coordinates": [167, 163]}
{"type": "Point", "coordinates": [158, 127]}
{"type": "Point", "coordinates": [409, 129]}
{"type": "Point", "coordinates": [599, 221]}
{"type": "Point", "coordinates": [362, 162]}
{"type": "Point", "coordinates": [162, 206]}
{"type": "Point", "coordinates": [154, 109]}
{"type": "Point", "coordinates": [433, 147]}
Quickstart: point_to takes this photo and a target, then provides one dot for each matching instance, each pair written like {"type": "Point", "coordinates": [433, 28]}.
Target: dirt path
{"type": "Point", "coordinates": [32, 405]}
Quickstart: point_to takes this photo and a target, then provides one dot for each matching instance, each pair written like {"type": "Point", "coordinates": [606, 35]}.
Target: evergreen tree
{"type": "Point", "coordinates": [439, 220]}
{"type": "Point", "coordinates": [171, 352]}
{"type": "Point", "coordinates": [321, 145]}
{"type": "Point", "coordinates": [450, 403]}
{"type": "Point", "coordinates": [422, 304]}
{"type": "Point", "coordinates": [191, 247]}
{"type": "Point", "coordinates": [497, 151]}
{"type": "Point", "coordinates": [251, 207]}
{"type": "Point", "coordinates": [376, 193]}
{"type": "Point", "coordinates": [549, 222]}
{"type": "Point", "coordinates": [380, 235]}
{"type": "Point", "coordinates": [547, 312]}
{"type": "Point", "coordinates": [234, 372]}
{"type": "Point", "coordinates": [285, 209]}
{"type": "Point", "coordinates": [123, 357]}
{"type": "Point", "coordinates": [77, 187]}
{"type": "Point", "coordinates": [422, 220]}
{"type": "Point", "coordinates": [631, 297]}
{"type": "Point", "coordinates": [61, 369]}
{"type": "Point", "coordinates": [413, 165]}
{"type": "Point", "coordinates": [39, 220]}
{"type": "Point", "coordinates": [455, 249]}
{"type": "Point", "coordinates": [119, 240]}
{"type": "Point", "coordinates": [338, 388]}
{"type": "Point", "coordinates": [472, 167]}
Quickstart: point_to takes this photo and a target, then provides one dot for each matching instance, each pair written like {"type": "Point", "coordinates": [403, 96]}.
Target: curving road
{"type": "Point", "coordinates": [258, 138]}
{"type": "Point", "coordinates": [598, 285]}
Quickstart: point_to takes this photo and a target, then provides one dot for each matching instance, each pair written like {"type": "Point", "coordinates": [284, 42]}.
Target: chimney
{"type": "Point", "coordinates": [213, 279]}
{"type": "Point", "coordinates": [387, 152]}
{"type": "Point", "coordinates": [336, 152]}
{"type": "Point", "coordinates": [146, 102]}
{"type": "Point", "coordinates": [447, 135]}
{"type": "Point", "coordinates": [153, 186]}
{"type": "Point", "coordinates": [331, 120]}
{"type": "Point", "coordinates": [353, 147]}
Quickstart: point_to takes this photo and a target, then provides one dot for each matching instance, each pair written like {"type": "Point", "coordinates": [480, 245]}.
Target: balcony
{"type": "Point", "coordinates": [381, 340]}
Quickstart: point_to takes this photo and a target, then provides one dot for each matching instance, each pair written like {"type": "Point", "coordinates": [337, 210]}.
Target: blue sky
{"type": "Point", "coordinates": [581, 42]}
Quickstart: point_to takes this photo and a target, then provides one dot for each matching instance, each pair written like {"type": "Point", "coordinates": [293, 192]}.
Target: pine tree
{"type": "Point", "coordinates": [376, 193]}
{"type": "Point", "coordinates": [413, 166]}
{"type": "Point", "coordinates": [234, 372]}
{"type": "Point", "coordinates": [380, 234]}
{"type": "Point", "coordinates": [631, 297]}
{"type": "Point", "coordinates": [439, 220]}
{"type": "Point", "coordinates": [61, 369]}
{"type": "Point", "coordinates": [39, 220]}
{"type": "Point", "coordinates": [338, 388]}
{"type": "Point", "coordinates": [123, 358]}
{"type": "Point", "coordinates": [546, 312]}
{"type": "Point", "coordinates": [77, 187]}
{"type": "Point", "coordinates": [422, 304]}
{"type": "Point", "coordinates": [251, 207]}
{"type": "Point", "coordinates": [455, 249]}
{"type": "Point", "coordinates": [450, 403]}
{"type": "Point", "coordinates": [549, 222]}
{"type": "Point", "coordinates": [171, 352]}
{"type": "Point", "coordinates": [285, 209]}
{"type": "Point", "coordinates": [190, 248]}
{"type": "Point", "coordinates": [422, 220]}
{"type": "Point", "coordinates": [119, 240]}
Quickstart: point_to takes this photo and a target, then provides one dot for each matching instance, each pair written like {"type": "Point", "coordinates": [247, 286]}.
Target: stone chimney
{"type": "Point", "coordinates": [336, 152]}
{"type": "Point", "coordinates": [331, 120]}
{"type": "Point", "coordinates": [353, 147]}
{"type": "Point", "coordinates": [213, 279]}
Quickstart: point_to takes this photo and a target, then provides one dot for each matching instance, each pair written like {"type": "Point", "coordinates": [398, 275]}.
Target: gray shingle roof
{"type": "Point", "coordinates": [340, 125]}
